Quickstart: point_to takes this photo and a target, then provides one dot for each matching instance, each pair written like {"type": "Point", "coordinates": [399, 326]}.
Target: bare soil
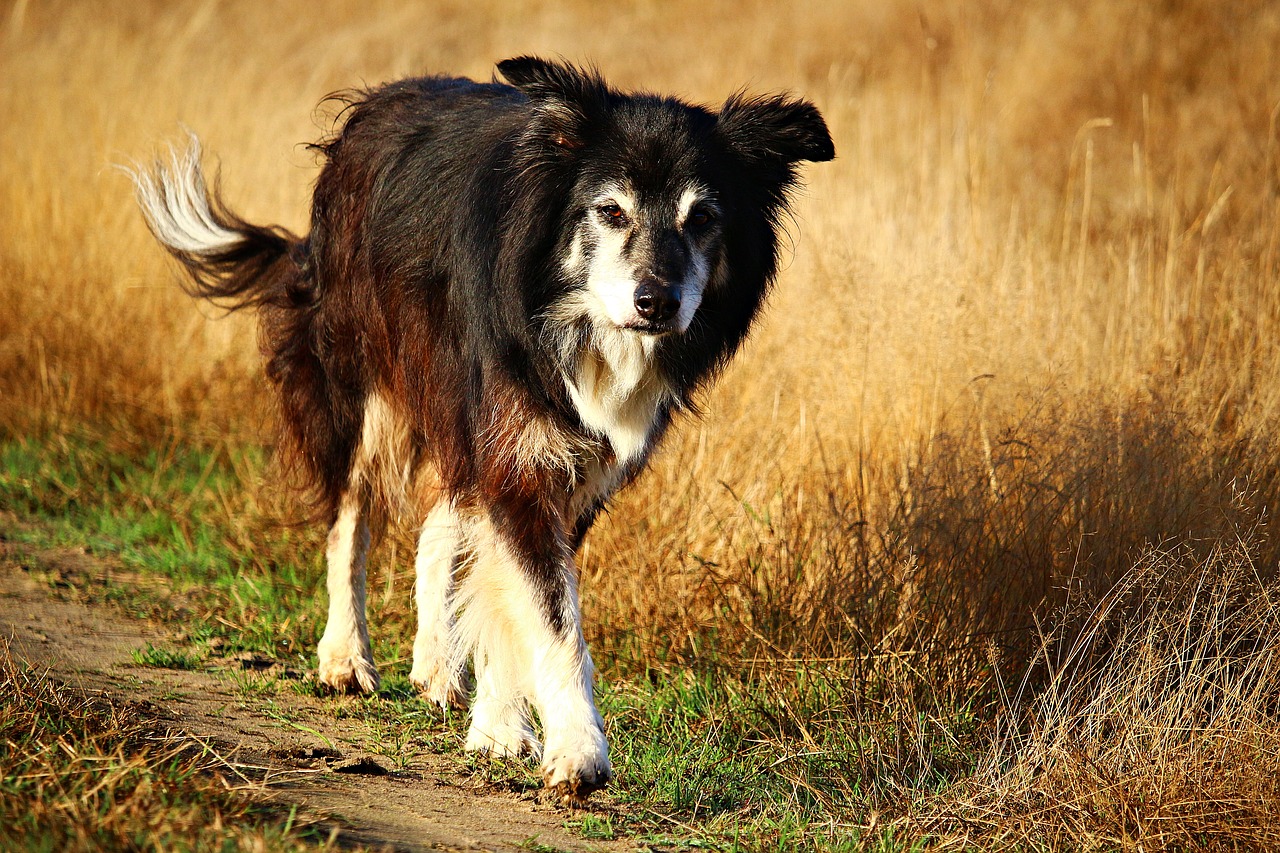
{"type": "Point", "coordinates": [430, 804]}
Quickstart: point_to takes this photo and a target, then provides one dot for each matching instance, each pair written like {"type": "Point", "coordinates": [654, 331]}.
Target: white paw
{"type": "Point", "coordinates": [576, 764]}
{"type": "Point", "coordinates": [501, 730]}
{"type": "Point", "coordinates": [503, 741]}
{"type": "Point", "coordinates": [347, 670]}
{"type": "Point", "coordinates": [439, 683]}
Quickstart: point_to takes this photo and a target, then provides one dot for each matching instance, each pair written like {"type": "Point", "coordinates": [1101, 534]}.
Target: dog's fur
{"type": "Point", "coordinates": [514, 288]}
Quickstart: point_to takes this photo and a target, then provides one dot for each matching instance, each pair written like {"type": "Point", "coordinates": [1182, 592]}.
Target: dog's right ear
{"type": "Point", "coordinates": [543, 80]}
{"type": "Point", "coordinates": [565, 96]}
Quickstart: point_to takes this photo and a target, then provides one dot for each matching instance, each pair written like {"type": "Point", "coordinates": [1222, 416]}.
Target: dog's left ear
{"type": "Point", "coordinates": [776, 128]}
{"type": "Point", "coordinates": [566, 97]}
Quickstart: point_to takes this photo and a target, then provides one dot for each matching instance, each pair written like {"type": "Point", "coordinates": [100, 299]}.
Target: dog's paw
{"type": "Point", "coordinates": [439, 684]}
{"type": "Point", "coordinates": [503, 739]}
{"type": "Point", "coordinates": [573, 767]}
{"type": "Point", "coordinates": [349, 673]}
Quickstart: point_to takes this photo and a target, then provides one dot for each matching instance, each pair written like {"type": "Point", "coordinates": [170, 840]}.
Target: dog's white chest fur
{"type": "Point", "coordinates": [617, 389]}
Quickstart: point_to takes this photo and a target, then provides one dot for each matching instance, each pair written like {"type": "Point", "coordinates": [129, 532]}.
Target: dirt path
{"type": "Point", "coordinates": [429, 805]}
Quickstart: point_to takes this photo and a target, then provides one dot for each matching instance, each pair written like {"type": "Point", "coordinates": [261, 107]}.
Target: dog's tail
{"type": "Point", "coordinates": [230, 262]}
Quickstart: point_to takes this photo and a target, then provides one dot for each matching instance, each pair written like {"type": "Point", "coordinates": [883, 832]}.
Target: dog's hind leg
{"type": "Point", "coordinates": [499, 713]}
{"type": "Point", "coordinates": [500, 723]}
{"type": "Point", "coordinates": [346, 660]}
{"type": "Point", "coordinates": [437, 661]}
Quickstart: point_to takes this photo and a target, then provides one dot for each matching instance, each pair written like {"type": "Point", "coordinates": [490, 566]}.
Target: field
{"type": "Point", "coordinates": [972, 548]}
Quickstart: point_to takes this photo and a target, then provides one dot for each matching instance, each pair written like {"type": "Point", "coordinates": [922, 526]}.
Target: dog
{"type": "Point", "coordinates": [508, 292]}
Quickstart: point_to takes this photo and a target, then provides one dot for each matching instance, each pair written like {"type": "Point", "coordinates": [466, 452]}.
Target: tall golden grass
{"type": "Point", "coordinates": [1026, 346]}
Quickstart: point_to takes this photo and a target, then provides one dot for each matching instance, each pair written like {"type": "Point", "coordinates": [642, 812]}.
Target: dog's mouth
{"type": "Point", "coordinates": [654, 328]}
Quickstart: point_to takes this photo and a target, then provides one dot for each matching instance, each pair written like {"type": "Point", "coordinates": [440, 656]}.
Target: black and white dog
{"type": "Point", "coordinates": [507, 293]}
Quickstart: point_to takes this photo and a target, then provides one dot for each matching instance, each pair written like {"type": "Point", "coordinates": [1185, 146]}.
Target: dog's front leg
{"type": "Point", "coordinates": [346, 660]}
{"type": "Point", "coordinates": [575, 756]}
{"type": "Point", "coordinates": [521, 609]}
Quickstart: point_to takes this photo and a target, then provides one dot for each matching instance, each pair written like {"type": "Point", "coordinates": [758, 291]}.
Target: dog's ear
{"type": "Point", "coordinates": [775, 129]}
{"type": "Point", "coordinates": [565, 96]}
{"type": "Point", "coordinates": [542, 79]}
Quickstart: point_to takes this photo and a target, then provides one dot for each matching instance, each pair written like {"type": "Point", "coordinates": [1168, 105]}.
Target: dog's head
{"type": "Point", "coordinates": [659, 190]}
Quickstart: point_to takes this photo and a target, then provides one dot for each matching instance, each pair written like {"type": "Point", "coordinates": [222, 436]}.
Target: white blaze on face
{"type": "Point", "coordinates": [611, 275]}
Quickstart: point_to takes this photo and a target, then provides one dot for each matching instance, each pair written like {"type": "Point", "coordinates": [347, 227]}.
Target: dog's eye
{"type": "Point", "coordinates": [700, 217]}
{"type": "Point", "coordinates": [612, 214]}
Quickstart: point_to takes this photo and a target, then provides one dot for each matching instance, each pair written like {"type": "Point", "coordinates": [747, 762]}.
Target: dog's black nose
{"type": "Point", "coordinates": [657, 303]}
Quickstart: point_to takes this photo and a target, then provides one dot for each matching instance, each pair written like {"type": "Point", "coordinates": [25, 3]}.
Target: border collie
{"type": "Point", "coordinates": [507, 293]}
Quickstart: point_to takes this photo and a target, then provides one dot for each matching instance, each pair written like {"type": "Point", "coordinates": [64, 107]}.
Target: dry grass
{"type": "Point", "coordinates": [1156, 718]}
{"type": "Point", "coordinates": [81, 773]}
{"type": "Point", "coordinates": [1031, 332]}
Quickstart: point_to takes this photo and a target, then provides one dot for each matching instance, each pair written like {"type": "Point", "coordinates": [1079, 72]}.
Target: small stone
{"type": "Point", "coordinates": [361, 766]}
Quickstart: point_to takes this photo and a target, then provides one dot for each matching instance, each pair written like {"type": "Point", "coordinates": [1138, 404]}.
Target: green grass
{"type": "Point", "coordinates": [180, 517]}
{"type": "Point", "coordinates": [163, 658]}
